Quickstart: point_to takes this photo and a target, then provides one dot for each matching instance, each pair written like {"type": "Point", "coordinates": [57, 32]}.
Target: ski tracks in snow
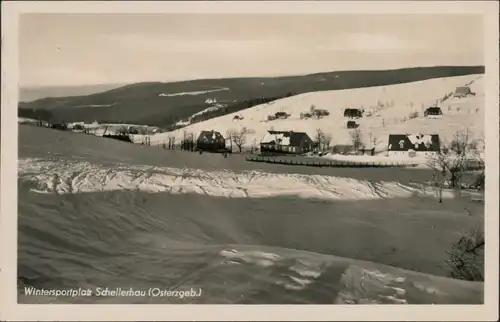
{"type": "Point", "coordinates": [73, 176]}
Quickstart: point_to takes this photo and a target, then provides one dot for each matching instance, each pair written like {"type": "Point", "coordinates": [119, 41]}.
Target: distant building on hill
{"type": "Point", "coordinates": [59, 126]}
{"type": "Point", "coordinates": [462, 91]}
{"type": "Point", "coordinates": [433, 112]}
{"type": "Point", "coordinates": [286, 142]}
{"type": "Point", "coordinates": [352, 125]}
{"type": "Point", "coordinates": [211, 141]}
{"type": "Point", "coordinates": [421, 144]}
{"type": "Point", "coordinates": [281, 115]}
{"type": "Point", "coordinates": [353, 113]}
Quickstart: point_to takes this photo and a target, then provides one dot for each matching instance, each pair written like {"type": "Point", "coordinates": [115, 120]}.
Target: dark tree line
{"type": "Point", "coordinates": [37, 114]}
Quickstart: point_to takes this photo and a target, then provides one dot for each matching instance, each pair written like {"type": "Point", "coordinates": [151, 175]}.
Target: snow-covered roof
{"type": "Point", "coordinates": [277, 138]}
{"type": "Point", "coordinates": [420, 138]}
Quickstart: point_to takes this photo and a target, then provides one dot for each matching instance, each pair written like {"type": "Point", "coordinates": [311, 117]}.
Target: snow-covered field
{"type": "Point", "coordinates": [194, 93]}
{"type": "Point", "coordinates": [110, 128]}
{"type": "Point", "coordinates": [96, 105]}
{"type": "Point", "coordinates": [289, 246]}
{"type": "Point", "coordinates": [390, 106]}
{"type": "Point", "coordinates": [62, 176]}
{"type": "Point", "coordinates": [25, 120]}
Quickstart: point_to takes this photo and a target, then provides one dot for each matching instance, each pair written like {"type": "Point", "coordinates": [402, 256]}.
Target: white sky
{"type": "Point", "coordinates": [87, 49]}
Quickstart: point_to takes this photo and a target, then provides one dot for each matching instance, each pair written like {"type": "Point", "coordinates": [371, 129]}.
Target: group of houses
{"type": "Point", "coordinates": [293, 142]}
{"type": "Point", "coordinates": [296, 143]}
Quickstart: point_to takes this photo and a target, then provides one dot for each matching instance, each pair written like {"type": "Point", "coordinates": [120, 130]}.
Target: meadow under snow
{"type": "Point", "coordinates": [66, 176]}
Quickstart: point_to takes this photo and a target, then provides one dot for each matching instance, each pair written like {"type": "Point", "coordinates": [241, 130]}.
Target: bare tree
{"type": "Point", "coordinates": [171, 142]}
{"type": "Point", "coordinates": [356, 139]}
{"type": "Point", "coordinates": [438, 181]}
{"type": "Point", "coordinates": [318, 138]}
{"type": "Point", "coordinates": [453, 160]}
{"type": "Point", "coordinates": [322, 140]}
{"type": "Point", "coordinates": [254, 146]}
{"type": "Point", "coordinates": [327, 141]}
{"type": "Point", "coordinates": [105, 130]}
{"type": "Point", "coordinates": [238, 137]}
{"type": "Point", "coordinates": [374, 141]}
{"type": "Point", "coordinates": [466, 257]}
{"type": "Point", "coordinates": [229, 136]}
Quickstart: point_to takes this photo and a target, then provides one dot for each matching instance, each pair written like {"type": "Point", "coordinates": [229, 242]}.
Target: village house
{"type": "Point", "coordinates": [281, 115]}
{"type": "Point", "coordinates": [352, 125]}
{"type": "Point", "coordinates": [59, 126]}
{"type": "Point", "coordinates": [366, 151]}
{"type": "Point", "coordinates": [353, 113]}
{"type": "Point", "coordinates": [462, 91]}
{"type": "Point", "coordinates": [286, 142]}
{"type": "Point", "coordinates": [419, 144]}
{"type": "Point", "coordinates": [210, 141]}
{"type": "Point", "coordinates": [433, 112]}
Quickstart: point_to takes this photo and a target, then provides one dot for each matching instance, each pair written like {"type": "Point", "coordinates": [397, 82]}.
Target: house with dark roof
{"type": "Point", "coordinates": [281, 115]}
{"type": "Point", "coordinates": [421, 144]}
{"type": "Point", "coordinates": [352, 125]}
{"type": "Point", "coordinates": [433, 112]}
{"type": "Point", "coordinates": [59, 126]}
{"type": "Point", "coordinates": [463, 91]}
{"type": "Point", "coordinates": [286, 142]}
{"type": "Point", "coordinates": [353, 113]}
{"type": "Point", "coordinates": [211, 141]}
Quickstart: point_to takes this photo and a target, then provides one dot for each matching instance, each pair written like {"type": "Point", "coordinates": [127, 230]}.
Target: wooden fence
{"type": "Point", "coordinates": [328, 163]}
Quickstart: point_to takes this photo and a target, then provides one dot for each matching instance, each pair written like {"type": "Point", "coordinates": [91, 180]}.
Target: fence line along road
{"type": "Point", "coordinates": [327, 163]}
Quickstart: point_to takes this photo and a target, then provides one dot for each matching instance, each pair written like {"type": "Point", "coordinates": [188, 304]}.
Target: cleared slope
{"type": "Point", "coordinates": [398, 102]}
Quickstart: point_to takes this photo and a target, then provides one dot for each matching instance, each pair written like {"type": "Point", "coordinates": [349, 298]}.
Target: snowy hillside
{"type": "Point", "coordinates": [389, 106]}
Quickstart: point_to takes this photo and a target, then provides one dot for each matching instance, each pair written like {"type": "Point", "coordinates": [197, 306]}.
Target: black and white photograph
{"type": "Point", "coordinates": [251, 158]}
